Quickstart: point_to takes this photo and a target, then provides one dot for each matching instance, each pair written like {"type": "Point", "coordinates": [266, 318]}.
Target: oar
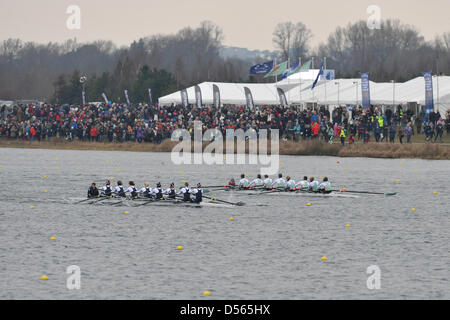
{"type": "Point", "coordinates": [367, 192]}
{"type": "Point", "coordinates": [85, 200]}
{"type": "Point", "coordinates": [239, 204]}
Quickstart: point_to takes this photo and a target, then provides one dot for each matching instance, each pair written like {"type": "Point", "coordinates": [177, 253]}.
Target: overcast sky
{"type": "Point", "coordinates": [246, 23]}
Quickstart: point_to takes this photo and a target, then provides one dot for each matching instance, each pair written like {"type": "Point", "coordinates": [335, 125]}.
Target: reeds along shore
{"type": "Point", "coordinates": [305, 148]}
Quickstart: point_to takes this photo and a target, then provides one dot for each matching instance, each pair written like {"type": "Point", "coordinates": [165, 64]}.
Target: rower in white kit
{"type": "Point", "coordinates": [280, 182]}
{"type": "Point", "coordinates": [171, 192]}
{"type": "Point", "coordinates": [146, 191]}
{"type": "Point", "coordinates": [132, 190]}
{"type": "Point", "coordinates": [290, 184]}
{"type": "Point", "coordinates": [243, 183]}
{"type": "Point", "coordinates": [267, 182]}
{"type": "Point", "coordinates": [302, 185]}
{"type": "Point", "coordinates": [186, 192]}
{"type": "Point", "coordinates": [256, 183]}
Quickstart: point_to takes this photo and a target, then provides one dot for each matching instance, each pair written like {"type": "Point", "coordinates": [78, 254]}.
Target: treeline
{"type": "Point", "coordinates": [166, 63]}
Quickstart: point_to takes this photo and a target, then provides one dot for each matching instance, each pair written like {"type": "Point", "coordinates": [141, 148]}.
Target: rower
{"type": "Point", "coordinates": [325, 186]}
{"type": "Point", "coordinates": [280, 182]}
{"type": "Point", "coordinates": [158, 192]}
{"type": "Point", "coordinates": [313, 185]}
{"type": "Point", "coordinates": [290, 184]}
{"type": "Point", "coordinates": [186, 192]}
{"type": "Point", "coordinates": [119, 190]}
{"type": "Point", "coordinates": [256, 183]}
{"type": "Point", "coordinates": [171, 192]}
{"type": "Point", "coordinates": [146, 191]}
{"type": "Point", "coordinates": [93, 191]}
{"type": "Point", "coordinates": [231, 183]}
{"type": "Point", "coordinates": [198, 192]}
{"type": "Point", "coordinates": [132, 190]}
{"type": "Point", "coordinates": [267, 182]}
{"type": "Point", "coordinates": [243, 183]}
{"type": "Point", "coordinates": [107, 189]}
{"type": "Point", "coordinates": [303, 185]}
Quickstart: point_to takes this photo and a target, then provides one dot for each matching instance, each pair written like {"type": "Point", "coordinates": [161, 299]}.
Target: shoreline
{"type": "Point", "coordinates": [428, 151]}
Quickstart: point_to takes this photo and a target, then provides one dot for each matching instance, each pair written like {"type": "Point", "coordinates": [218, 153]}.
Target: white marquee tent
{"type": "Point", "coordinates": [331, 92]}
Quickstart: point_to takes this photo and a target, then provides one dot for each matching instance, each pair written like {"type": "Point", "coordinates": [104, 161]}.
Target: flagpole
{"type": "Point", "coordinates": [300, 83]}
{"type": "Point", "coordinates": [325, 65]}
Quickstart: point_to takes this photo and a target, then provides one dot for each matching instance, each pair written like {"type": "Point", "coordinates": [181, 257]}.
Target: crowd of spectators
{"type": "Point", "coordinates": [144, 123]}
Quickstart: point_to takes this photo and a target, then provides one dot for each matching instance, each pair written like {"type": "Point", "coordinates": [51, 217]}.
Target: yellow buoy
{"type": "Point", "coordinates": [346, 169]}
{"type": "Point", "coordinates": [206, 293]}
{"type": "Point", "coordinates": [282, 167]}
{"type": "Point", "coordinates": [53, 238]}
{"type": "Point", "coordinates": [324, 258]}
{"type": "Point", "coordinates": [231, 219]}
{"type": "Point", "coordinates": [413, 209]}
{"type": "Point", "coordinates": [57, 168]}
{"type": "Point", "coordinates": [57, 159]}
{"type": "Point", "coordinates": [247, 176]}
{"type": "Point", "coordinates": [347, 226]}
{"type": "Point", "coordinates": [31, 207]}
{"type": "Point", "coordinates": [308, 204]}
{"type": "Point", "coordinates": [44, 277]}
{"type": "Point", "coordinates": [179, 248]}
{"type": "Point", "coordinates": [111, 179]}
{"type": "Point", "coordinates": [1, 166]}
{"type": "Point", "coordinates": [45, 191]}
{"type": "Point", "coordinates": [397, 181]}
{"type": "Point", "coordinates": [117, 170]}
{"type": "Point", "coordinates": [180, 173]}
{"type": "Point", "coordinates": [45, 177]}
{"type": "Point", "coordinates": [434, 192]}
{"type": "Point", "coordinates": [126, 212]}
{"type": "Point", "coordinates": [401, 163]}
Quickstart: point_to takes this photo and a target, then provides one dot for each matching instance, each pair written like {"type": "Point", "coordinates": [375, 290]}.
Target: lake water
{"type": "Point", "coordinates": [272, 250]}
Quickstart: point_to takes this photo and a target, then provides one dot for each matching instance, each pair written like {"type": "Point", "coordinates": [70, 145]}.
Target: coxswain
{"type": "Point", "coordinates": [198, 193]}
{"type": "Point", "coordinates": [280, 182]}
{"type": "Point", "coordinates": [313, 185]}
{"type": "Point", "coordinates": [119, 189]}
{"type": "Point", "coordinates": [267, 182]}
{"type": "Point", "coordinates": [303, 185]}
{"type": "Point", "coordinates": [93, 191]}
{"type": "Point", "coordinates": [325, 186]}
{"type": "Point", "coordinates": [243, 183]}
{"type": "Point", "coordinates": [256, 183]}
{"type": "Point", "coordinates": [158, 192]}
{"type": "Point", "coordinates": [132, 190]}
{"type": "Point", "coordinates": [146, 191]}
{"type": "Point", "coordinates": [290, 184]}
{"type": "Point", "coordinates": [171, 192]}
{"type": "Point", "coordinates": [107, 189]}
{"type": "Point", "coordinates": [186, 192]}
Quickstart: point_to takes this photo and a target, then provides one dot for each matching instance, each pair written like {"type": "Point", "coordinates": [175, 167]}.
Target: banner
{"type": "Point", "coordinates": [262, 68]}
{"type": "Point", "coordinates": [198, 96]}
{"type": "Point", "coordinates": [248, 97]}
{"type": "Point", "coordinates": [150, 96]}
{"type": "Point", "coordinates": [184, 98]}
{"type": "Point", "coordinates": [83, 95]}
{"type": "Point", "coordinates": [216, 96]}
{"type": "Point", "coordinates": [429, 101]}
{"type": "Point", "coordinates": [296, 69]}
{"type": "Point", "coordinates": [126, 96]}
{"type": "Point", "coordinates": [365, 88]}
{"type": "Point", "coordinates": [105, 98]}
{"type": "Point", "coordinates": [283, 100]}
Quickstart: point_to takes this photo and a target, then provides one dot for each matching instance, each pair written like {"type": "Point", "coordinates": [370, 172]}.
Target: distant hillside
{"type": "Point", "coordinates": [246, 54]}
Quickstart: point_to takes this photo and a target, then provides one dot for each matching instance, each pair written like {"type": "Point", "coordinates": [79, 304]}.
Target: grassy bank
{"type": "Point", "coordinates": [310, 148]}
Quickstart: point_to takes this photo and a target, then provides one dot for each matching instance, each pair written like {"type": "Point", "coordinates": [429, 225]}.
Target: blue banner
{"type": "Point", "coordinates": [365, 88]}
{"type": "Point", "coordinates": [262, 68]}
{"type": "Point", "coordinates": [429, 101]}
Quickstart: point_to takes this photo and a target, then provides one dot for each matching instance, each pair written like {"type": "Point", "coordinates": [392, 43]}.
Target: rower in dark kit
{"type": "Point", "coordinates": [158, 192]}
{"type": "Point", "coordinates": [93, 191]}
{"type": "Point", "coordinates": [146, 191]}
{"type": "Point", "coordinates": [119, 190]}
{"type": "Point", "coordinates": [198, 193]}
{"type": "Point", "coordinates": [186, 192]}
{"type": "Point", "coordinates": [132, 190]}
{"type": "Point", "coordinates": [107, 189]}
{"type": "Point", "coordinates": [171, 192]}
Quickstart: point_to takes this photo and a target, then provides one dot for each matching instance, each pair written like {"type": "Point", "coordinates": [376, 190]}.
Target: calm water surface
{"type": "Point", "coordinates": [272, 250]}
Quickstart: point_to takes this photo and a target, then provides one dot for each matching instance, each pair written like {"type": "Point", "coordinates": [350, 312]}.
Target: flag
{"type": "Point", "coordinates": [184, 98]}
{"type": "Point", "coordinates": [216, 93]}
{"type": "Point", "coordinates": [150, 96]}
{"type": "Point", "coordinates": [198, 96]}
{"type": "Point", "coordinates": [262, 68]}
{"type": "Point", "coordinates": [126, 96]}
{"type": "Point", "coordinates": [248, 97]}
{"type": "Point", "coordinates": [277, 70]}
{"type": "Point", "coordinates": [296, 69]}
{"type": "Point", "coordinates": [105, 98]}
{"type": "Point", "coordinates": [318, 76]}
